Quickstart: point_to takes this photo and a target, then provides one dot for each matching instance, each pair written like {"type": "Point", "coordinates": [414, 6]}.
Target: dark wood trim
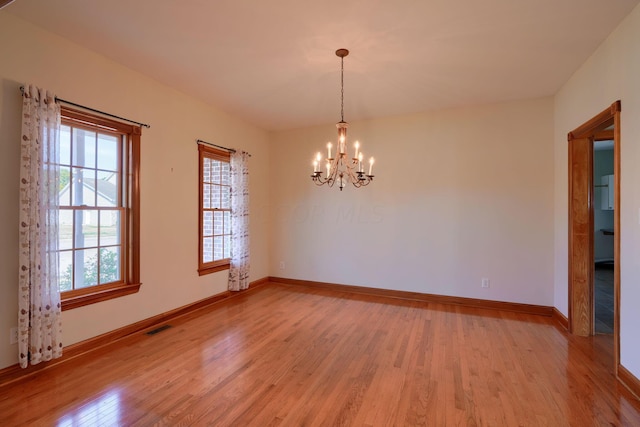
{"type": "Point", "coordinates": [604, 135]}
{"type": "Point", "coordinates": [14, 373]}
{"type": "Point", "coordinates": [207, 270]}
{"type": "Point", "coordinates": [629, 380]}
{"type": "Point", "coordinates": [417, 296]}
{"type": "Point", "coordinates": [616, 231]}
{"type": "Point", "coordinates": [85, 118]}
{"type": "Point", "coordinates": [569, 233]}
{"type": "Point", "coordinates": [561, 319]}
{"type": "Point", "coordinates": [134, 209]}
{"type": "Point", "coordinates": [75, 301]}
{"type": "Point", "coordinates": [598, 123]}
{"type": "Point", "coordinates": [259, 282]}
{"type": "Point", "coordinates": [580, 238]}
{"type": "Point", "coordinates": [214, 153]}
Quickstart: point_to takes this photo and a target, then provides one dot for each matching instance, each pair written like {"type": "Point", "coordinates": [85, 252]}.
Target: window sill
{"type": "Point", "coordinates": [212, 269]}
{"type": "Point", "coordinates": [74, 300]}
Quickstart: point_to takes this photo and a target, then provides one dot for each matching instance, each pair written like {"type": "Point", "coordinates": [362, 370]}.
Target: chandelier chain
{"type": "Point", "coordinates": [342, 89]}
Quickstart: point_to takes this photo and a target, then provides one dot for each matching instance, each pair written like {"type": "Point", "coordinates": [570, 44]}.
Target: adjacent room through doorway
{"type": "Point", "coordinates": [603, 241]}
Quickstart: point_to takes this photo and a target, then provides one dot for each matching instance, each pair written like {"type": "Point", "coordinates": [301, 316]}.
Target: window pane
{"type": "Point", "coordinates": [65, 229]}
{"type": "Point", "coordinates": [215, 196]}
{"type": "Point", "coordinates": [226, 177]}
{"type": "Point", "coordinates": [86, 268]}
{"type": "Point", "coordinates": [107, 188]}
{"type": "Point", "coordinates": [227, 223]}
{"type": "Point", "coordinates": [65, 145]}
{"type": "Point", "coordinates": [109, 264]}
{"type": "Point", "coordinates": [50, 154]}
{"type": "Point", "coordinates": [86, 228]}
{"type": "Point", "coordinates": [206, 170]}
{"type": "Point", "coordinates": [207, 223]}
{"type": "Point", "coordinates": [217, 223]}
{"type": "Point", "coordinates": [84, 148]}
{"type": "Point", "coordinates": [109, 228]}
{"type": "Point", "coordinates": [206, 196]}
{"type": "Point", "coordinates": [65, 270]}
{"type": "Point", "coordinates": [227, 247]}
{"type": "Point", "coordinates": [108, 152]}
{"type": "Point", "coordinates": [207, 249]}
{"type": "Point", "coordinates": [217, 248]}
{"type": "Point", "coordinates": [215, 171]}
{"type": "Point", "coordinates": [83, 191]}
{"type": "Point", "coordinates": [225, 202]}
{"type": "Point", "coordinates": [64, 195]}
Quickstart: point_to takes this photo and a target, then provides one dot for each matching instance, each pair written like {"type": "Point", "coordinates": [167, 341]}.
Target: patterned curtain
{"type": "Point", "coordinates": [39, 323]}
{"type": "Point", "coordinates": [239, 271]}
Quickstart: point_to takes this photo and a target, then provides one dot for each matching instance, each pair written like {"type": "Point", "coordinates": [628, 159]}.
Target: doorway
{"type": "Point", "coordinates": [603, 239]}
{"type": "Point", "coordinates": [605, 125]}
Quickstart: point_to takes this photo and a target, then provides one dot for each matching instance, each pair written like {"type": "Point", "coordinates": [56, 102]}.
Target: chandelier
{"type": "Point", "coordinates": [342, 169]}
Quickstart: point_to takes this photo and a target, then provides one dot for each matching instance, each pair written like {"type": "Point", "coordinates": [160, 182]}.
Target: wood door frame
{"type": "Point", "coordinates": [594, 129]}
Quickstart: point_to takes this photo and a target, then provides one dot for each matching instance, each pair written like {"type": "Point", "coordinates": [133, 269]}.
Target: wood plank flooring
{"type": "Point", "coordinates": [295, 356]}
{"type": "Point", "coordinates": [604, 298]}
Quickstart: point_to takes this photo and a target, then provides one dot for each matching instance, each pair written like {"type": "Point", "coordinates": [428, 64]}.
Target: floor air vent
{"type": "Point", "coordinates": [160, 329]}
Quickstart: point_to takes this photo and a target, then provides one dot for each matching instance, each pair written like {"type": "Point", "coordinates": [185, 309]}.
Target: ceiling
{"type": "Point", "coordinates": [273, 64]}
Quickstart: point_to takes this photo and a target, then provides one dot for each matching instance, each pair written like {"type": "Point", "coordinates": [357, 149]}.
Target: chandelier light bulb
{"type": "Point", "coordinates": [329, 150]}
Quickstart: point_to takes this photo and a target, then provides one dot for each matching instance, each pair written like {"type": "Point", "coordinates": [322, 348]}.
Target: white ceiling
{"type": "Point", "coordinates": [273, 63]}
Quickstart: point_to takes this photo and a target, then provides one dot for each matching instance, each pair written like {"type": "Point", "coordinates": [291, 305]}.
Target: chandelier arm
{"type": "Point", "coordinates": [358, 179]}
{"type": "Point", "coordinates": [350, 172]}
{"type": "Point", "coordinates": [333, 167]}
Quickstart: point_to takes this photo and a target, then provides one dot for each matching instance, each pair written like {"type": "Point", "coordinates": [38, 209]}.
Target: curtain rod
{"type": "Point", "coordinates": [231, 150]}
{"type": "Point", "coordinates": [64, 101]}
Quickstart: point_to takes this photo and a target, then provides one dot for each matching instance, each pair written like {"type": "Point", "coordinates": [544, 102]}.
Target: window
{"type": "Point", "coordinates": [215, 210]}
{"type": "Point", "coordinates": [98, 224]}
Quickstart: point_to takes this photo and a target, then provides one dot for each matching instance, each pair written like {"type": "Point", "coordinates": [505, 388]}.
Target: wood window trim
{"type": "Point", "coordinates": [226, 265]}
{"type": "Point", "coordinates": [223, 156]}
{"type": "Point", "coordinates": [131, 271]}
{"type": "Point", "coordinates": [99, 293]}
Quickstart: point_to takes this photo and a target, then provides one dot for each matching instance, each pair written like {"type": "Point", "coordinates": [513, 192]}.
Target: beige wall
{"type": "Point", "coordinates": [459, 195]}
{"type": "Point", "coordinates": [169, 176]}
{"type": "Point", "coordinates": [611, 73]}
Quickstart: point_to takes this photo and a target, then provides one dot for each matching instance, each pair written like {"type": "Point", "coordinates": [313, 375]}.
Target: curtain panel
{"type": "Point", "coordinates": [239, 268]}
{"type": "Point", "coordinates": [39, 309]}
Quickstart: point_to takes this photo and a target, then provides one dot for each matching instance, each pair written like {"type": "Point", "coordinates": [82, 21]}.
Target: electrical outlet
{"type": "Point", "coordinates": [281, 265]}
{"type": "Point", "coordinates": [13, 335]}
{"type": "Point", "coordinates": [485, 282]}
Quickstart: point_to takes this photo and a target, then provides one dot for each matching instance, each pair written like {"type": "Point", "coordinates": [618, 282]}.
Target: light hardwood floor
{"type": "Point", "coordinates": [292, 356]}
